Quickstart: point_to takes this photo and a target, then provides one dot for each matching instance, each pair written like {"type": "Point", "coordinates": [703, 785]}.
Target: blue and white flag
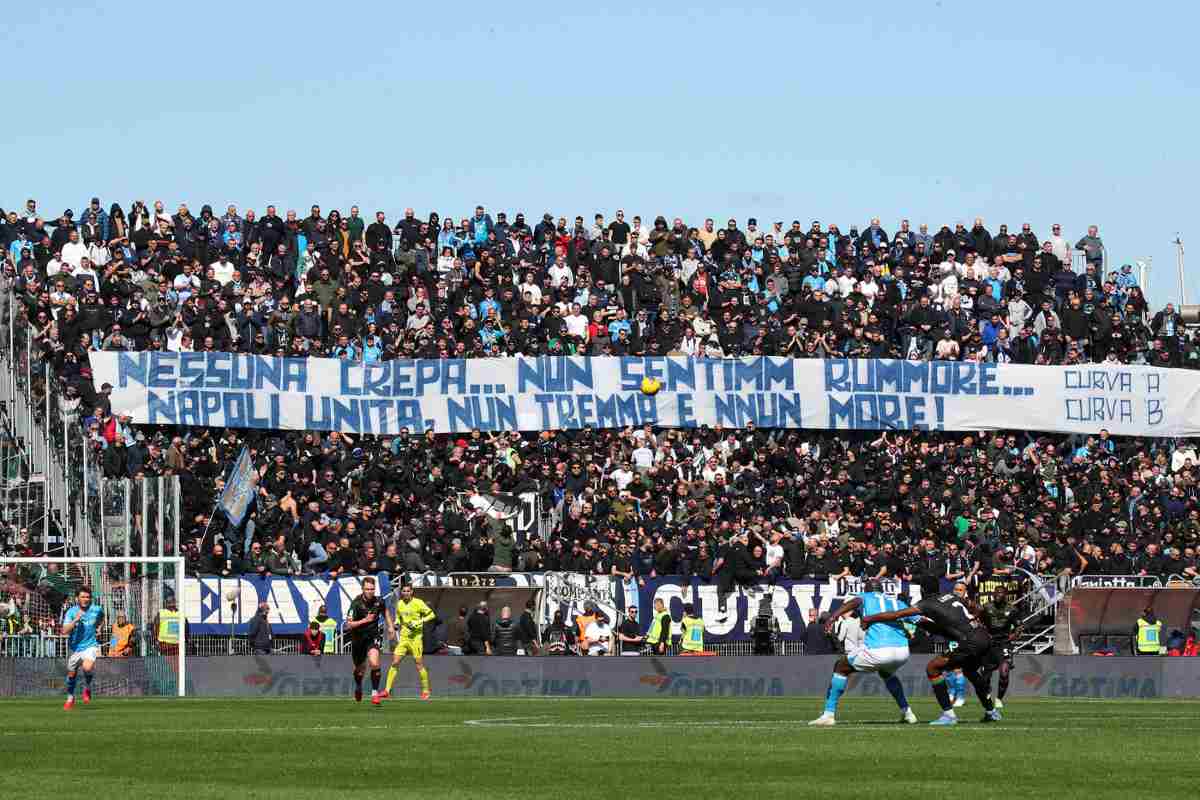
{"type": "Point", "coordinates": [239, 489]}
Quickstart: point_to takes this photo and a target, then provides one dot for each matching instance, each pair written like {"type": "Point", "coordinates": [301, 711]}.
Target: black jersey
{"type": "Point", "coordinates": [1000, 620]}
{"type": "Point", "coordinates": [360, 609]}
{"type": "Point", "coordinates": [950, 617]}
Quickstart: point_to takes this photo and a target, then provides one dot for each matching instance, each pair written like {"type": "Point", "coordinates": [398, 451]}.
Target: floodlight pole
{"type": "Point", "coordinates": [1179, 260]}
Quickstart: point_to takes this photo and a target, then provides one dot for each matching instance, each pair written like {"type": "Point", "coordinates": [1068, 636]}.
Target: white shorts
{"type": "Point", "coordinates": [885, 660]}
{"type": "Point", "coordinates": [90, 654]}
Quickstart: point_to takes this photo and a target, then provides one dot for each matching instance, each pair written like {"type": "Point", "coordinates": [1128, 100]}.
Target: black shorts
{"type": "Point", "coordinates": [974, 653]}
{"type": "Point", "coordinates": [359, 648]}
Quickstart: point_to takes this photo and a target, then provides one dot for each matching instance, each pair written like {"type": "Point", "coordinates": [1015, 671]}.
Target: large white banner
{"type": "Point", "coordinates": [533, 394]}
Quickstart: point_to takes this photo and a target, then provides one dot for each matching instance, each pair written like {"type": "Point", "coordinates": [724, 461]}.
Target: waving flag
{"type": "Point", "coordinates": [239, 489]}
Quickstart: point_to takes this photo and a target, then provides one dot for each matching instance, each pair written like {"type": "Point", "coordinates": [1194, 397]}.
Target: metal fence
{"type": "Point", "coordinates": [52, 487]}
{"type": "Point", "coordinates": [127, 517]}
{"type": "Point", "coordinates": [24, 449]}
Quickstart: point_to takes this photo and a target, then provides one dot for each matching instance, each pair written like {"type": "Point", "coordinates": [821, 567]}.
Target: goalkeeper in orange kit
{"type": "Point", "coordinates": [406, 627]}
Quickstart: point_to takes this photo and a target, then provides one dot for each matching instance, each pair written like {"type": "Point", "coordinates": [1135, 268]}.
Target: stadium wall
{"type": "Point", "coordinates": [329, 676]}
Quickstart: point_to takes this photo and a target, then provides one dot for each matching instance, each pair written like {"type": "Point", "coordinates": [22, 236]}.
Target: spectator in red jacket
{"type": "Point", "coordinates": [314, 641]}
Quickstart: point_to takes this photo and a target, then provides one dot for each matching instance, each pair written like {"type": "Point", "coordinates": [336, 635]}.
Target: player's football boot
{"type": "Point", "coordinates": [67, 706]}
{"type": "Point", "coordinates": [991, 716]}
{"type": "Point", "coordinates": [824, 721]}
{"type": "Point", "coordinates": [424, 695]}
{"type": "Point", "coordinates": [87, 696]}
{"type": "Point", "coordinates": [947, 718]}
{"type": "Point", "coordinates": [358, 695]}
{"type": "Point", "coordinates": [376, 700]}
{"type": "Point", "coordinates": [909, 717]}
{"type": "Point", "coordinates": [385, 694]}
{"type": "Point", "coordinates": [998, 703]}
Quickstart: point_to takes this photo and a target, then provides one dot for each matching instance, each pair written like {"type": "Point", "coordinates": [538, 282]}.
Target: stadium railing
{"type": "Point", "coordinates": [49, 472]}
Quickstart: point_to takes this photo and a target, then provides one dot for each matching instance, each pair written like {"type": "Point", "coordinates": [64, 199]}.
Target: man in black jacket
{"type": "Point", "coordinates": [928, 569]}
{"type": "Point", "coordinates": [504, 635]}
{"type": "Point", "coordinates": [734, 566]}
{"type": "Point", "coordinates": [259, 633]}
{"type": "Point", "coordinates": [479, 632]}
{"type": "Point", "coordinates": [379, 234]}
{"type": "Point", "coordinates": [527, 631]}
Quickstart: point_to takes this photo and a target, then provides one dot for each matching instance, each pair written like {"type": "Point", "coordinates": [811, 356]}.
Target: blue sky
{"type": "Point", "coordinates": [938, 111]}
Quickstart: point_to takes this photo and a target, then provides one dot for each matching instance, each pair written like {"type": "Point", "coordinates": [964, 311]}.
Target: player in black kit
{"type": "Point", "coordinates": [365, 624]}
{"type": "Point", "coordinates": [955, 618]}
{"type": "Point", "coordinates": [1001, 619]}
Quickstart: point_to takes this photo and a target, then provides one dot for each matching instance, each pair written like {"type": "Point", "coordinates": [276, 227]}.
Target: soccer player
{"type": "Point", "coordinates": [365, 624]}
{"type": "Point", "coordinates": [411, 615]}
{"type": "Point", "coordinates": [1000, 618]}
{"type": "Point", "coordinates": [884, 650]}
{"type": "Point", "coordinates": [954, 618]}
{"type": "Point", "coordinates": [956, 682]}
{"type": "Point", "coordinates": [80, 624]}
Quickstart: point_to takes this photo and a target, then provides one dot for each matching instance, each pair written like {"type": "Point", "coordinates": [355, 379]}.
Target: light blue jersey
{"type": "Point", "coordinates": [888, 634]}
{"type": "Point", "coordinates": [83, 635]}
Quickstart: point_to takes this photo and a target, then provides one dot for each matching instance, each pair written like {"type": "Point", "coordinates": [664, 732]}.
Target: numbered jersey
{"type": "Point", "coordinates": [950, 617]}
{"type": "Point", "coordinates": [887, 634]}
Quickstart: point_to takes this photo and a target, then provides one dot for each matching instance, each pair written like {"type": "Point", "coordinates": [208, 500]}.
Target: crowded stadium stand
{"type": "Point", "coordinates": [731, 506]}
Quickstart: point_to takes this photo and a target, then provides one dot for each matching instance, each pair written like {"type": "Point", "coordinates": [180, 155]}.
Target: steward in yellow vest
{"type": "Point", "coordinates": [1149, 634]}
{"type": "Point", "coordinates": [659, 635]}
{"type": "Point", "coordinates": [692, 640]}
{"type": "Point", "coordinates": [170, 621]}
{"type": "Point", "coordinates": [328, 627]}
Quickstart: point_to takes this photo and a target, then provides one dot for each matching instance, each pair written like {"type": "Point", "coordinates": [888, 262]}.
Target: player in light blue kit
{"type": "Point", "coordinates": [80, 625]}
{"type": "Point", "coordinates": [884, 650]}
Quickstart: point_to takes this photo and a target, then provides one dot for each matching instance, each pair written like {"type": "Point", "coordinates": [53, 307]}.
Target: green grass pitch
{"type": "Point", "coordinates": [746, 748]}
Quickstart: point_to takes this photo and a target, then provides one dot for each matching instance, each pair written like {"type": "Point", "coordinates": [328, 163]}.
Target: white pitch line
{"type": "Point", "coordinates": [536, 722]}
{"type": "Point", "coordinates": [280, 730]}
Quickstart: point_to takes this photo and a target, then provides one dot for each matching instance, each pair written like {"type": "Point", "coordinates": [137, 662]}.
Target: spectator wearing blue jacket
{"type": "Point", "coordinates": [490, 333]}
{"type": "Point", "coordinates": [345, 349]}
{"type": "Point", "coordinates": [995, 287]}
{"type": "Point", "coordinates": [489, 302]}
{"type": "Point", "coordinates": [448, 237]}
{"type": "Point", "coordinates": [101, 216]}
{"type": "Point", "coordinates": [990, 331]}
{"type": "Point", "coordinates": [479, 225]}
{"type": "Point", "coordinates": [372, 350]}
{"type": "Point", "coordinates": [619, 324]}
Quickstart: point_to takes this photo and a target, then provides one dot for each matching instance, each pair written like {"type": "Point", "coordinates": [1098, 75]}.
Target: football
{"type": "Point", "coordinates": [651, 385]}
